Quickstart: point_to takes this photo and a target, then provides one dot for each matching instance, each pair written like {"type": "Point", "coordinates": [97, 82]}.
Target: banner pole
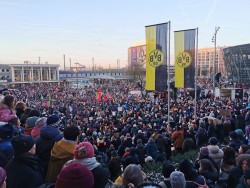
{"type": "Point", "coordinates": [195, 76]}
{"type": "Point", "coordinates": [169, 25]}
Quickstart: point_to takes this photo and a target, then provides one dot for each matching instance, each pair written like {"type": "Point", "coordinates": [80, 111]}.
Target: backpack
{"type": "Point", "coordinates": [199, 185]}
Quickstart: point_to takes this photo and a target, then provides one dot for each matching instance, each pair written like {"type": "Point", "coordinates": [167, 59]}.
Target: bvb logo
{"type": "Point", "coordinates": [184, 59]}
{"type": "Point", "coordinates": [155, 58]}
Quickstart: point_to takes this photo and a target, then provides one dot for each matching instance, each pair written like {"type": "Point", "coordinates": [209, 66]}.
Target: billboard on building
{"type": "Point", "coordinates": [137, 54]}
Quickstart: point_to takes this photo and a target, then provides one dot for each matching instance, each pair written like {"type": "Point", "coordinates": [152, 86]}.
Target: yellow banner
{"type": "Point", "coordinates": [179, 48]}
{"type": "Point", "coordinates": [150, 46]}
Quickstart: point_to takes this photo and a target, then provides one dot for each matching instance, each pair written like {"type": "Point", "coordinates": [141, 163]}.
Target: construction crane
{"type": "Point", "coordinates": [78, 67]}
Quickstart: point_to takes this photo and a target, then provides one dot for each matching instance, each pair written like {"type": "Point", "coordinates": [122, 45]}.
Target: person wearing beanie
{"type": "Point", "coordinates": [30, 124]}
{"type": "Point", "coordinates": [234, 140]}
{"type": "Point", "coordinates": [6, 150]}
{"type": "Point", "coordinates": [3, 177]}
{"type": "Point", "coordinates": [75, 175]}
{"type": "Point", "coordinates": [241, 136]}
{"type": "Point", "coordinates": [177, 180]}
{"type": "Point", "coordinates": [38, 124]}
{"type": "Point", "coordinates": [46, 140]}
{"type": "Point", "coordinates": [62, 152]}
{"type": "Point", "coordinates": [214, 151]}
{"type": "Point", "coordinates": [24, 169]}
{"type": "Point", "coordinates": [167, 169]}
{"type": "Point", "coordinates": [84, 153]}
{"type": "Point", "coordinates": [204, 154]}
{"type": "Point", "coordinates": [244, 180]}
{"type": "Point", "coordinates": [53, 121]}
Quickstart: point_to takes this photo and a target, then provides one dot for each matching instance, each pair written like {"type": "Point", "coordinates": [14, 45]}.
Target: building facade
{"type": "Point", "coordinates": [137, 54]}
{"type": "Point", "coordinates": [25, 73]}
{"type": "Point", "coordinates": [237, 63]}
{"type": "Point", "coordinates": [205, 61]}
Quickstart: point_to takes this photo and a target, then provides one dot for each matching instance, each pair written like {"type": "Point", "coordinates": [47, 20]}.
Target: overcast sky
{"type": "Point", "coordinates": [105, 29]}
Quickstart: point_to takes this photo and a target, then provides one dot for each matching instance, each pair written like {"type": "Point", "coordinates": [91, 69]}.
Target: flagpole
{"type": "Point", "coordinates": [195, 76]}
{"type": "Point", "coordinates": [169, 25]}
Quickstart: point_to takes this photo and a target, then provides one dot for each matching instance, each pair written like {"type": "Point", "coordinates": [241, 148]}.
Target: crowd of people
{"type": "Point", "coordinates": [52, 135]}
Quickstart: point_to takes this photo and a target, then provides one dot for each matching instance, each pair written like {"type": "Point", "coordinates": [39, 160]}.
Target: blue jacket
{"type": "Point", "coordinates": [6, 152]}
{"type": "Point", "coordinates": [152, 149]}
{"type": "Point", "coordinates": [45, 142]}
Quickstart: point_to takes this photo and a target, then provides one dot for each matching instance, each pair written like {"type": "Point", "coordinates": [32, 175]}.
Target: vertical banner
{"type": "Point", "coordinates": [157, 45]}
{"type": "Point", "coordinates": [185, 58]}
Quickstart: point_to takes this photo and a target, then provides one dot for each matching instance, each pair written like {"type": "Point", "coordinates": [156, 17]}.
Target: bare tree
{"type": "Point", "coordinates": [137, 71]}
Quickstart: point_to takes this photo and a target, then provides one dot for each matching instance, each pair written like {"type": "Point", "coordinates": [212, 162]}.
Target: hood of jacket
{"type": "Point", "coordinates": [63, 149]}
{"type": "Point", "coordinates": [213, 149]}
{"type": "Point", "coordinates": [49, 132]}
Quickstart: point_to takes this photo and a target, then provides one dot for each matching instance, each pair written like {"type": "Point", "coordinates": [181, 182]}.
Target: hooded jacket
{"type": "Point", "coordinates": [61, 152]}
{"type": "Point", "coordinates": [216, 154]}
{"type": "Point", "coordinates": [44, 143]}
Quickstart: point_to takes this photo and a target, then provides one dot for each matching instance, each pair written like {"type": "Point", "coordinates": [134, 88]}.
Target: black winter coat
{"type": "Point", "coordinates": [24, 171]}
{"type": "Point", "coordinates": [234, 177]}
{"type": "Point", "coordinates": [100, 177]}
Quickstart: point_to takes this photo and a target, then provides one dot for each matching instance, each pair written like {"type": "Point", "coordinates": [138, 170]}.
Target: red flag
{"type": "Point", "coordinates": [99, 95]}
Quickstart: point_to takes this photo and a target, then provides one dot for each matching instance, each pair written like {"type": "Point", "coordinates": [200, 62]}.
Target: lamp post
{"type": "Point", "coordinates": [76, 71]}
{"type": "Point", "coordinates": [214, 41]}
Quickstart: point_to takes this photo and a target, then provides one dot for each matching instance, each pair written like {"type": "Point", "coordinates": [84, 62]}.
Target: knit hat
{"type": "Point", "coordinates": [213, 141]}
{"type": "Point", "coordinates": [239, 132]}
{"type": "Point", "coordinates": [75, 175]}
{"type": "Point", "coordinates": [6, 131]}
{"type": "Point", "coordinates": [41, 122]}
{"type": "Point", "coordinates": [84, 150]}
{"type": "Point", "coordinates": [53, 120]}
{"type": "Point", "coordinates": [247, 174]}
{"type": "Point", "coordinates": [34, 113]}
{"type": "Point", "coordinates": [233, 135]}
{"type": "Point", "coordinates": [2, 176]}
{"type": "Point", "coordinates": [22, 144]}
{"type": "Point", "coordinates": [177, 179]}
{"type": "Point", "coordinates": [30, 122]}
{"type": "Point", "coordinates": [204, 151]}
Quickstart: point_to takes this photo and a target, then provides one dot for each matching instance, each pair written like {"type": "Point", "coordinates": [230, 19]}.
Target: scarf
{"type": "Point", "coordinates": [91, 163]}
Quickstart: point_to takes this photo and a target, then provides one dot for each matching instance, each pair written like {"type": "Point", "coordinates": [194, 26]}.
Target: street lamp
{"type": "Point", "coordinates": [76, 71]}
{"type": "Point", "coordinates": [214, 41]}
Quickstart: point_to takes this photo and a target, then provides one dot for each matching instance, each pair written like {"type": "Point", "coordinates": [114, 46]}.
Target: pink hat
{"type": "Point", "coordinates": [84, 150]}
